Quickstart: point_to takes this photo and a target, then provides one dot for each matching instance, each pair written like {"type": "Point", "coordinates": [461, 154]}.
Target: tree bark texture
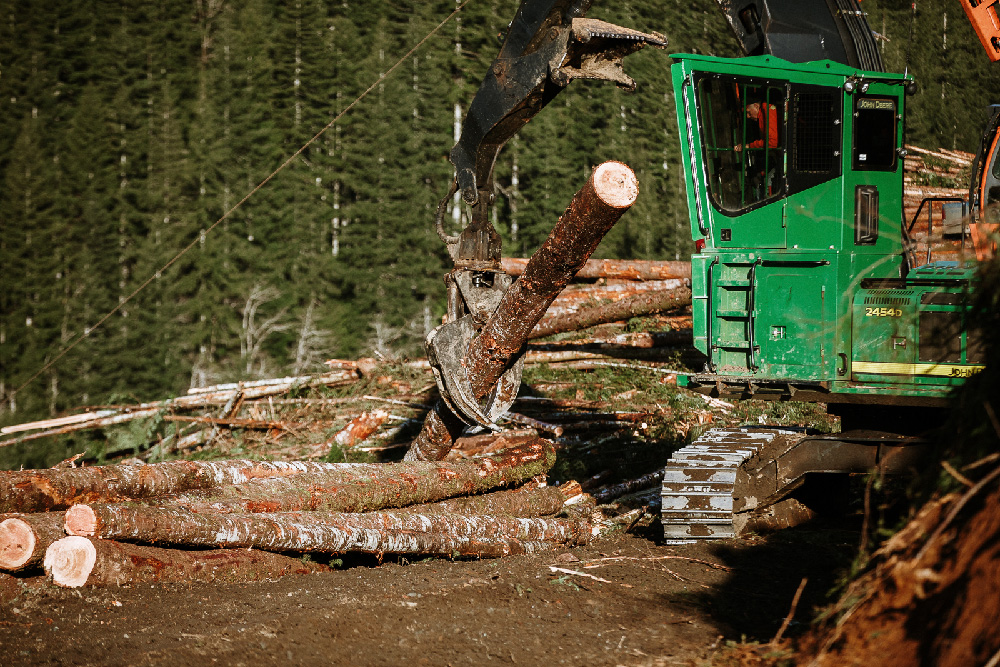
{"type": "Point", "coordinates": [614, 269]}
{"type": "Point", "coordinates": [24, 539]}
{"type": "Point", "coordinates": [369, 487]}
{"type": "Point", "coordinates": [575, 297]}
{"type": "Point", "coordinates": [609, 192]}
{"type": "Point", "coordinates": [77, 561]}
{"type": "Point", "coordinates": [529, 500]}
{"type": "Point", "coordinates": [45, 490]}
{"type": "Point", "coordinates": [626, 342]}
{"type": "Point", "coordinates": [329, 532]}
{"type": "Point", "coordinates": [614, 311]}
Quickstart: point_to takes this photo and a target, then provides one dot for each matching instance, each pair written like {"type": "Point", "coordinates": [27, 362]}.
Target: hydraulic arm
{"type": "Point", "coordinates": [548, 44]}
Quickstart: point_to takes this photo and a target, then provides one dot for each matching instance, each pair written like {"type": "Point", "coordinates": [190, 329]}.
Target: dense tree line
{"type": "Point", "coordinates": [131, 129]}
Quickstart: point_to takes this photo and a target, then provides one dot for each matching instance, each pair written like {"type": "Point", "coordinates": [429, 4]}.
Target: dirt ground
{"type": "Point", "coordinates": [629, 600]}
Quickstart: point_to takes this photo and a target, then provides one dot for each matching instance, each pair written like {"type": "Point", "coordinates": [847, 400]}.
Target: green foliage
{"type": "Point", "coordinates": [132, 131]}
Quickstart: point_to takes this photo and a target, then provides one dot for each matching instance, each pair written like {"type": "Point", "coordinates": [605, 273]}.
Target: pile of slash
{"type": "Point", "coordinates": [149, 519]}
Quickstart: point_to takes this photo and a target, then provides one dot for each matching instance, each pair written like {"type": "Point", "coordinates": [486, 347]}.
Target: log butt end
{"type": "Point", "coordinates": [17, 543]}
{"type": "Point", "coordinates": [70, 561]}
{"type": "Point", "coordinates": [81, 520]}
{"type": "Point", "coordinates": [615, 184]}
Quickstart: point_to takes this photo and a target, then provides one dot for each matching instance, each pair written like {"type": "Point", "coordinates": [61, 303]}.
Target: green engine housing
{"type": "Point", "coordinates": [801, 286]}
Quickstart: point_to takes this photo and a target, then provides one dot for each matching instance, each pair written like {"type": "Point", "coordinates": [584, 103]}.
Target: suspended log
{"type": "Point", "coordinates": [328, 532]}
{"type": "Point", "coordinates": [24, 539]}
{"type": "Point", "coordinates": [361, 487]}
{"type": "Point", "coordinates": [614, 311]}
{"type": "Point", "coordinates": [29, 491]}
{"type": "Point", "coordinates": [614, 269]}
{"type": "Point", "coordinates": [609, 192]}
{"type": "Point", "coordinates": [78, 561]}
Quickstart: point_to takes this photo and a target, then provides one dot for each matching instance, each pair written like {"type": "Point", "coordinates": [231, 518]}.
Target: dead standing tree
{"type": "Point", "coordinates": [254, 333]}
{"type": "Point", "coordinates": [610, 191]}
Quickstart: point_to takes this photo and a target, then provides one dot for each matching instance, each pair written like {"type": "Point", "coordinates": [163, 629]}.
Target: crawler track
{"type": "Point", "coordinates": [699, 480]}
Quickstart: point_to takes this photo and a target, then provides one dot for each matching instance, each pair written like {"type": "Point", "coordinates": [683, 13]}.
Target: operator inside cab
{"type": "Point", "coordinates": [766, 117]}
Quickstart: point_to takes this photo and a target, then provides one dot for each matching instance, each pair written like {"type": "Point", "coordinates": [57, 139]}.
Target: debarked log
{"type": "Point", "coordinates": [52, 489]}
{"type": "Point", "coordinates": [78, 561]}
{"type": "Point", "coordinates": [614, 311]}
{"type": "Point", "coordinates": [365, 487]}
{"type": "Point", "coordinates": [609, 192]}
{"type": "Point", "coordinates": [329, 532]}
{"type": "Point", "coordinates": [24, 539]}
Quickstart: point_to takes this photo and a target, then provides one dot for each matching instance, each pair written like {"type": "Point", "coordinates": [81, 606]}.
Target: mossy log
{"type": "Point", "coordinates": [370, 487]}
{"type": "Point", "coordinates": [77, 561]}
{"type": "Point", "coordinates": [24, 539]}
{"type": "Point", "coordinates": [329, 532]}
{"type": "Point", "coordinates": [53, 489]}
{"type": "Point", "coordinates": [529, 500]}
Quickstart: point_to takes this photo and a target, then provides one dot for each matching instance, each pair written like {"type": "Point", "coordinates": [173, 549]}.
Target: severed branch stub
{"type": "Point", "coordinates": [610, 191]}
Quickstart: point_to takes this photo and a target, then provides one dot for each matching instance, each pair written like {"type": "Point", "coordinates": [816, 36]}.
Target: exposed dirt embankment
{"type": "Point", "coordinates": [934, 597]}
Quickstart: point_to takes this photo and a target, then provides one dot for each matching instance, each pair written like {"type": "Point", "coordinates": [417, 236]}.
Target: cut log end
{"type": "Point", "coordinates": [70, 561]}
{"type": "Point", "coordinates": [17, 543]}
{"type": "Point", "coordinates": [81, 520]}
{"type": "Point", "coordinates": [615, 184]}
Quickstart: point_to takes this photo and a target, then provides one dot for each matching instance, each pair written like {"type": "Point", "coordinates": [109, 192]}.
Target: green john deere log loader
{"type": "Point", "coordinates": [805, 282]}
{"type": "Point", "coordinates": [804, 285]}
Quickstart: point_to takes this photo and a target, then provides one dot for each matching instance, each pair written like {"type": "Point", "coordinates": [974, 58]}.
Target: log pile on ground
{"type": "Point", "coordinates": [251, 515]}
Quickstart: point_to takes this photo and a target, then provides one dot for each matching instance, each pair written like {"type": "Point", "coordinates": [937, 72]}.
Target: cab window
{"type": "Point", "coordinates": [874, 133]}
{"type": "Point", "coordinates": [743, 134]}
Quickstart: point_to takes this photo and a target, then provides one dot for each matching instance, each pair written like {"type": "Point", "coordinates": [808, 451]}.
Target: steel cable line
{"type": "Point", "coordinates": [89, 330]}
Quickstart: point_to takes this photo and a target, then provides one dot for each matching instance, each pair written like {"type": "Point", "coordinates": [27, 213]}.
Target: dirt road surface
{"type": "Point", "coordinates": [622, 600]}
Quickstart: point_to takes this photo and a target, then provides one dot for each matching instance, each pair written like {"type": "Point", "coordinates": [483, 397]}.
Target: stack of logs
{"type": "Point", "coordinates": [238, 520]}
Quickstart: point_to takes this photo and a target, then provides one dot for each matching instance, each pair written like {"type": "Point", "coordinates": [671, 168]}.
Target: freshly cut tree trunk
{"type": "Point", "coordinates": [368, 487]}
{"type": "Point", "coordinates": [609, 192]}
{"type": "Point", "coordinates": [77, 561]}
{"type": "Point", "coordinates": [614, 311]}
{"type": "Point", "coordinates": [24, 539]}
{"type": "Point", "coordinates": [50, 489]}
{"type": "Point", "coordinates": [330, 532]}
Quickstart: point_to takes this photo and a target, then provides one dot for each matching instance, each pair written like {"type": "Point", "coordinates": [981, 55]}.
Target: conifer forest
{"type": "Point", "coordinates": [130, 131]}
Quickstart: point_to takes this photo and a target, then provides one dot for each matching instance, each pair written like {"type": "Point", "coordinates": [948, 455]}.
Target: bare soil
{"type": "Point", "coordinates": [637, 602]}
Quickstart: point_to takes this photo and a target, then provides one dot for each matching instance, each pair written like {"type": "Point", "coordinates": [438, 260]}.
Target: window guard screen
{"type": "Point", "coordinates": [743, 128]}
